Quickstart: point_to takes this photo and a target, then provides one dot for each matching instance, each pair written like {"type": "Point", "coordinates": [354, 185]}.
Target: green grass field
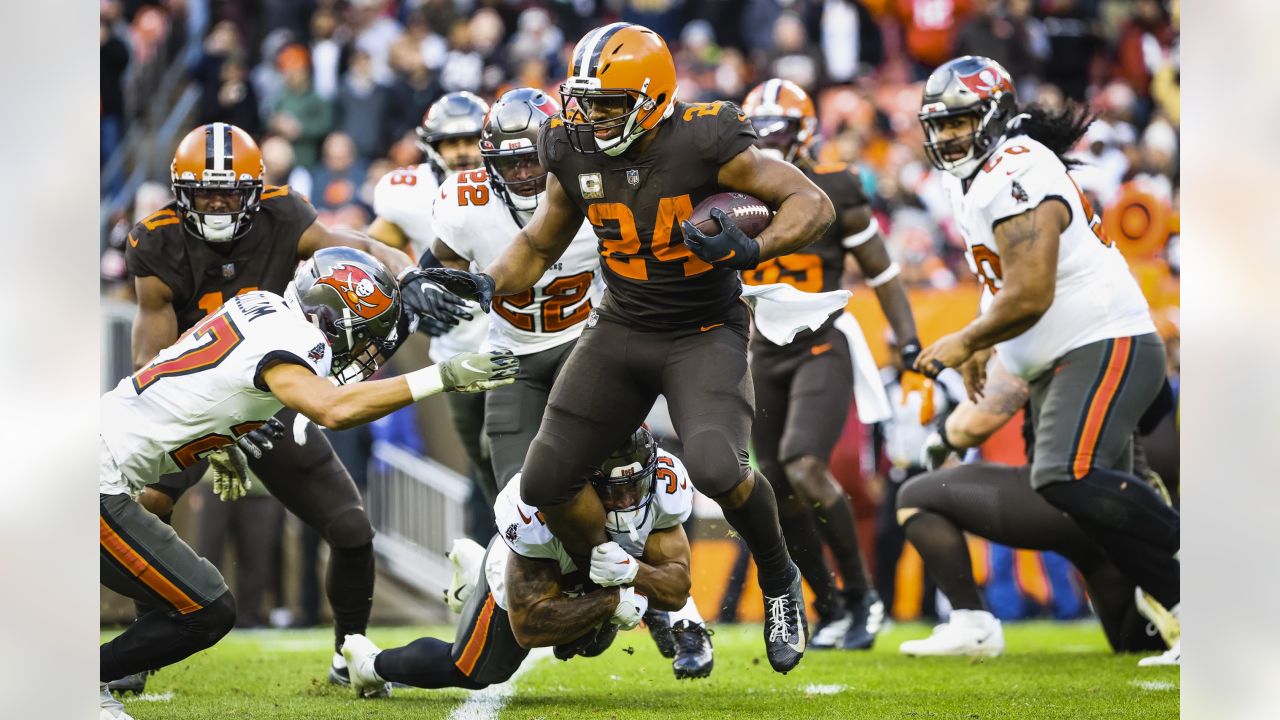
{"type": "Point", "coordinates": [1050, 670]}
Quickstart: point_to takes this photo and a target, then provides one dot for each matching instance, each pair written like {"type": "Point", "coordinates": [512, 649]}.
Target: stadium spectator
{"type": "Point", "coordinates": [329, 50]}
{"type": "Point", "coordinates": [363, 106]}
{"type": "Point", "coordinates": [420, 28]}
{"type": "Point", "coordinates": [463, 66]}
{"type": "Point", "coordinates": [340, 173]}
{"type": "Point", "coordinates": [1074, 43]}
{"type": "Point", "coordinates": [300, 115]}
{"type": "Point", "coordinates": [1144, 45]}
{"type": "Point", "coordinates": [233, 100]}
{"type": "Point", "coordinates": [793, 57]}
{"type": "Point", "coordinates": [374, 32]}
{"type": "Point", "coordinates": [931, 26]}
{"type": "Point", "coordinates": [414, 90]}
{"type": "Point", "coordinates": [113, 60]}
{"type": "Point", "coordinates": [281, 167]}
{"type": "Point", "coordinates": [851, 41]}
{"type": "Point", "coordinates": [1003, 31]}
{"type": "Point", "coordinates": [536, 38]}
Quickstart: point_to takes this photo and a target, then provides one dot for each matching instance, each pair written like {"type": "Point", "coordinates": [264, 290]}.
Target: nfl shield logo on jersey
{"type": "Point", "coordinates": [633, 177]}
{"type": "Point", "coordinates": [229, 270]}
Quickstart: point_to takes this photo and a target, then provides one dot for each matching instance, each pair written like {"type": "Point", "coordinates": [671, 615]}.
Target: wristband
{"type": "Point", "coordinates": [425, 382]}
{"type": "Point", "coordinates": [889, 273]}
{"type": "Point", "coordinates": [863, 235]}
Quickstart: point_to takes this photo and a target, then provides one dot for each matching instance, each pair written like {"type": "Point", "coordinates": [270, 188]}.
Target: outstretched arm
{"type": "Point", "coordinates": [803, 211]}
{"type": "Point", "coordinates": [541, 615]}
{"type": "Point", "coordinates": [881, 272]}
{"type": "Point", "coordinates": [339, 407]}
{"type": "Point", "coordinates": [538, 244]}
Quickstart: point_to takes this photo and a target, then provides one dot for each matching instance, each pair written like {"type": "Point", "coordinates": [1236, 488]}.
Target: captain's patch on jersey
{"type": "Point", "coordinates": [591, 185]}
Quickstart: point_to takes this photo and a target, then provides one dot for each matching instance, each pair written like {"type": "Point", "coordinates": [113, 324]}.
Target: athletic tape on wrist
{"type": "Point", "coordinates": [425, 382]}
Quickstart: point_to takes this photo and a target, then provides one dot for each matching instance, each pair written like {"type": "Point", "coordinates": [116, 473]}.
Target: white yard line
{"type": "Point", "coordinates": [486, 704]}
{"type": "Point", "coordinates": [153, 697]}
{"type": "Point", "coordinates": [1153, 685]}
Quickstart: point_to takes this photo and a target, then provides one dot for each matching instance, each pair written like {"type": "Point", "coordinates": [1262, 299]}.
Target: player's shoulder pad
{"type": "Point", "coordinates": [839, 180]}
{"type": "Point", "coordinates": [447, 217]}
{"type": "Point", "coordinates": [274, 331]}
{"type": "Point", "coordinates": [149, 232]}
{"type": "Point", "coordinates": [277, 197]}
{"type": "Point", "coordinates": [403, 191]}
{"type": "Point", "coordinates": [1016, 178]}
{"type": "Point", "coordinates": [553, 142]}
{"type": "Point", "coordinates": [154, 245]}
{"type": "Point", "coordinates": [715, 125]}
{"type": "Point", "coordinates": [521, 526]}
{"type": "Point", "coordinates": [673, 493]}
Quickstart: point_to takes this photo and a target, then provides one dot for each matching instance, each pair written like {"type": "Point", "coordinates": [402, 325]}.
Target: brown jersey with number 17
{"type": "Point", "coordinates": [636, 202]}
{"type": "Point", "coordinates": [204, 275]}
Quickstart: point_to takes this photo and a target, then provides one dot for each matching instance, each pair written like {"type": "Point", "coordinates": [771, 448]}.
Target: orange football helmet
{"type": "Point", "coordinates": [217, 180]}
{"type": "Point", "coordinates": [783, 117]}
{"type": "Point", "coordinates": [622, 69]}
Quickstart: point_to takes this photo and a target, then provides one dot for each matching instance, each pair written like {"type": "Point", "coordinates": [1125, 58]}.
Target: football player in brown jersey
{"type": "Point", "coordinates": [633, 160]}
{"type": "Point", "coordinates": [803, 390]}
{"type": "Point", "coordinates": [224, 234]}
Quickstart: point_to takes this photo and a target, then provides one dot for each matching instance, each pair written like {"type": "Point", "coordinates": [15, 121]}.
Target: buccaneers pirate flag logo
{"type": "Point", "coordinates": [358, 290]}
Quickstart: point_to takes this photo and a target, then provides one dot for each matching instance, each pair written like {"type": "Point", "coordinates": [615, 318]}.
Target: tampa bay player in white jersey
{"type": "Point", "coordinates": [217, 386]}
{"type": "Point", "coordinates": [528, 592]}
{"type": "Point", "coordinates": [402, 202]}
{"type": "Point", "coordinates": [474, 218]}
{"type": "Point", "coordinates": [1060, 307]}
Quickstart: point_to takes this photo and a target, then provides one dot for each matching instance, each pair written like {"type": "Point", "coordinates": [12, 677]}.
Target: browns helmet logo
{"type": "Point", "coordinates": [358, 290]}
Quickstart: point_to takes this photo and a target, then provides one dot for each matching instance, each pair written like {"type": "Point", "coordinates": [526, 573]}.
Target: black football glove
{"type": "Point", "coordinates": [471, 286]}
{"type": "Point", "coordinates": [438, 310]}
{"type": "Point", "coordinates": [256, 442]}
{"type": "Point", "coordinates": [909, 351]}
{"type": "Point", "coordinates": [731, 248]}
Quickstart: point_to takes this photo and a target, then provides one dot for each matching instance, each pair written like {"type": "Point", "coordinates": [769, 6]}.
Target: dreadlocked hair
{"type": "Point", "coordinates": [1057, 130]}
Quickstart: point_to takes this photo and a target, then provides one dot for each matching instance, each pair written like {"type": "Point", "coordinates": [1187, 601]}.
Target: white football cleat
{"type": "Point", "coordinates": [112, 709]}
{"type": "Point", "coordinates": [466, 556]}
{"type": "Point", "coordinates": [1172, 656]}
{"type": "Point", "coordinates": [359, 652]}
{"type": "Point", "coordinates": [975, 633]}
{"type": "Point", "coordinates": [1165, 620]}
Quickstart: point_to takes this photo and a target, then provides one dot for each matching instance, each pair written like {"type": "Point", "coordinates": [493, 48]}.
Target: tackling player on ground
{"type": "Point", "coordinates": [226, 234]}
{"type": "Point", "coordinates": [539, 325]}
{"type": "Point", "coordinates": [530, 592]}
{"type": "Point", "coordinates": [1061, 306]}
{"type": "Point", "coordinates": [215, 387]}
{"type": "Point", "coordinates": [804, 389]}
{"type": "Point", "coordinates": [634, 161]}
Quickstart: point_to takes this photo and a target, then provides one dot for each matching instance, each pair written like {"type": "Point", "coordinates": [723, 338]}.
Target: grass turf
{"type": "Point", "coordinates": [1050, 670]}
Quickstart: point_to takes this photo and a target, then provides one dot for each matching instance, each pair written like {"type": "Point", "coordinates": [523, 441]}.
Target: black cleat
{"type": "Point", "coordinates": [135, 683]}
{"type": "Point", "coordinates": [693, 656]}
{"type": "Point", "coordinates": [830, 630]}
{"type": "Point", "coordinates": [659, 624]}
{"type": "Point", "coordinates": [868, 616]}
{"type": "Point", "coordinates": [786, 629]}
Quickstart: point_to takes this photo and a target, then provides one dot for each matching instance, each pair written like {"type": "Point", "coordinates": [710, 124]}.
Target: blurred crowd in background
{"type": "Point", "coordinates": [333, 90]}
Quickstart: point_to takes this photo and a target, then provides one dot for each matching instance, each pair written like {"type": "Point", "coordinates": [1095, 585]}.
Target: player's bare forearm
{"type": "Point", "coordinates": [447, 256]}
{"type": "Point", "coordinates": [519, 266]}
{"type": "Point", "coordinates": [803, 211]}
{"type": "Point", "coordinates": [897, 308]}
{"type": "Point", "coordinates": [155, 326]}
{"type": "Point", "coordinates": [541, 615]}
{"type": "Point", "coordinates": [336, 407]}
{"type": "Point", "coordinates": [538, 244]}
{"type": "Point", "coordinates": [877, 266]}
{"type": "Point", "coordinates": [1028, 245]}
{"type": "Point", "coordinates": [318, 237]}
{"type": "Point", "coordinates": [388, 233]}
{"type": "Point", "coordinates": [663, 576]}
